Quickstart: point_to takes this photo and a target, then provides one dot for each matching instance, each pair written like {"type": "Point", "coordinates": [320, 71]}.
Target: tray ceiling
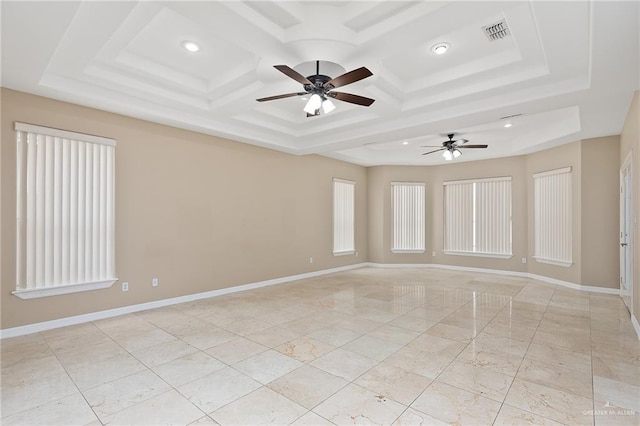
{"type": "Point", "coordinates": [570, 69]}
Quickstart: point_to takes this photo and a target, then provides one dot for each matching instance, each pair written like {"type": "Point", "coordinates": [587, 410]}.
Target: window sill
{"type": "Point", "coordinates": [406, 251]}
{"type": "Point", "coordinates": [553, 262]}
{"type": "Point", "coordinates": [34, 293]}
{"type": "Point", "coordinates": [343, 253]}
{"type": "Point", "coordinates": [474, 254]}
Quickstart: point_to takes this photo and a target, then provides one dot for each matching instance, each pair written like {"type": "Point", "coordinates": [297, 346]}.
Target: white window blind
{"type": "Point", "coordinates": [478, 217]}
{"type": "Point", "coordinates": [408, 217]}
{"type": "Point", "coordinates": [65, 211]}
{"type": "Point", "coordinates": [343, 217]}
{"type": "Point", "coordinates": [552, 226]}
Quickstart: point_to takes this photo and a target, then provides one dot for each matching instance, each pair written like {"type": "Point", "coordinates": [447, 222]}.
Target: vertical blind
{"type": "Point", "coordinates": [552, 226]}
{"type": "Point", "coordinates": [343, 216]}
{"type": "Point", "coordinates": [408, 216]}
{"type": "Point", "coordinates": [478, 216]}
{"type": "Point", "coordinates": [65, 208]}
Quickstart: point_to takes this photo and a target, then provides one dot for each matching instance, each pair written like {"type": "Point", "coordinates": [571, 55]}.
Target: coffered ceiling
{"type": "Point", "coordinates": [566, 71]}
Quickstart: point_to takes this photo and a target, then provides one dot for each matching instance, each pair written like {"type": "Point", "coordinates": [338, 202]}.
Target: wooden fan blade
{"type": "Point", "coordinates": [348, 78]}
{"type": "Point", "coordinates": [354, 99]}
{"type": "Point", "coordinates": [472, 146]}
{"type": "Point", "coordinates": [288, 95]}
{"type": "Point", "coordinates": [290, 72]}
{"type": "Point", "coordinates": [431, 152]}
{"type": "Point", "coordinates": [431, 146]}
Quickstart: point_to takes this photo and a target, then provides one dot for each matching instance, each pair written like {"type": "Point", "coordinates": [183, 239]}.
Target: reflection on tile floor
{"type": "Point", "coordinates": [368, 346]}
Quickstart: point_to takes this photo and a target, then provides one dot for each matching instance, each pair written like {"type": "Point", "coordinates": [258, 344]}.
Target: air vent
{"type": "Point", "coordinates": [497, 31]}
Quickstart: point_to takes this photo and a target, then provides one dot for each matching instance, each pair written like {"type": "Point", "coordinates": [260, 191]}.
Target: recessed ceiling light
{"type": "Point", "coordinates": [405, 143]}
{"type": "Point", "coordinates": [440, 48]}
{"type": "Point", "coordinates": [508, 125]}
{"type": "Point", "coordinates": [190, 46]}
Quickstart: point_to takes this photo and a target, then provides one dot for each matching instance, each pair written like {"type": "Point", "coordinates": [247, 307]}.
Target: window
{"type": "Point", "coordinates": [408, 217]}
{"type": "Point", "coordinates": [65, 211]}
{"type": "Point", "coordinates": [478, 217]}
{"type": "Point", "coordinates": [552, 226]}
{"type": "Point", "coordinates": [343, 217]}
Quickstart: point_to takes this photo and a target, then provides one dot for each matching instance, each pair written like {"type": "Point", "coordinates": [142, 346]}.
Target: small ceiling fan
{"type": "Point", "coordinates": [452, 147]}
{"type": "Point", "coordinates": [320, 87]}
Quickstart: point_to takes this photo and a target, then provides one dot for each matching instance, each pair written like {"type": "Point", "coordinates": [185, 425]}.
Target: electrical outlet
{"type": "Point", "coordinates": [433, 253]}
{"type": "Point", "coordinates": [154, 282]}
{"type": "Point", "coordinates": [524, 260]}
{"type": "Point", "coordinates": [311, 260]}
{"type": "Point", "coordinates": [125, 286]}
{"type": "Point", "coordinates": [356, 254]}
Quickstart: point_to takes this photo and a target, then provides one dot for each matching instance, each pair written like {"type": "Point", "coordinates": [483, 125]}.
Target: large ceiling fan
{"type": "Point", "coordinates": [320, 87]}
{"type": "Point", "coordinates": [452, 147]}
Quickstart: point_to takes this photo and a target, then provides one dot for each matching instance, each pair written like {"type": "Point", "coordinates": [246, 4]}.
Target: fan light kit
{"type": "Point", "coordinates": [190, 46]}
{"type": "Point", "coordinates": [440, 48]}
{"type": "Point", "coordinates": [451, 148]}
{"type": "Point", "coordinates": [320, 87]}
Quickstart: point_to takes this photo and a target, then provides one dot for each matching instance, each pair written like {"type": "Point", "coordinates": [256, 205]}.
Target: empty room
{"type": "Point", "coordinates": [320, 213]}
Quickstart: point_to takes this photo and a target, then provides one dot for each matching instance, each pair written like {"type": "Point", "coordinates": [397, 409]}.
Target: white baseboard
{"type": "Point", "coordinates": [636, 326]}
{"type": "Point", "coordinates": [593, 289]}
{"type": "Point", "coordinates": [94, 316]}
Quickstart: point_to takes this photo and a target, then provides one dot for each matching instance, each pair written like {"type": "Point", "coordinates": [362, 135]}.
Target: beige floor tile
{"type": "Point", "coordinates": [23, 348]}
{"type": "Point", "coordinates": [478, 380]}
{"type": "Point", "coordinates": [413, 323]}
{"type": "Point", "coordinates": [617, 393]}
{"type": "Point", "coordinates": [115, 396]}
{"type": "Point", "coordinates": [355, 405]}
{"type": "Point", "coordinates": [205, 338]}
{"type": "Point", "coordinates": [560, 378]}
{"type": "Point", "coordinates": [372, 347]}
{"type": "Point", "coordinates": [335, 335]}
{"type": "Point", "coordinates": [204, 421]}
{"type": "Point", "coordinates": [550, 403]}
{"type": "Point", "coordinates": [437, 345]}
{"type": "Point", "coordinates": [343, 363]}
{"type": "Point", "coordinates": [164, 352]}
{"type": "Point", "coordinates": [87, 375]}
{"type": "Point", "coordinates": [393, 382]}
{"type": "Point", "coordinates": [500, 360]}
{"type": "Point", "coordinates": [559, 357]}
{"type": "Point", "coordinates": [169, 408]}
{"type": "Point", "coordinates": [308, 386]}
{"type": "Point", "coordinates": [188, 368]}
{"type": "Point", "coordinates": [359, 325]}
{"type": "Point", "coordinates": [614, 369]}
{"type": "Point", "coordinates": [267, 366]}
{"type": "Point", "coordinates": [274, 336]}
{"type": "Point", "coordinates": [305, 349]}
{"type": "Point", "coordinates": [236, 350]}
{"type": "Point", "coordinates": [608, 414]}
{"type": "Point", "coordinates": [456, 406]}
{"type": "Point", "coordinates": [135, 340]}
{"type": "Point", "coordinates": [218, 389]}
{"type": "Point", "coordinates": [311, 419]}
{"type": "Point", "coordinates": [511, 416]}
{"type": "Point", "coordinates": [391, 333]}
{"type": "Point", "coordinates": [260, 407]}
{"type": "Point", "coordinates": [68, 411]}
{"type": "Point", "coordinates": [413, 417]}
{"type": "Point", "coordinates": [420, 362]}
{"type": "Point", "coordinates": [452, 332]}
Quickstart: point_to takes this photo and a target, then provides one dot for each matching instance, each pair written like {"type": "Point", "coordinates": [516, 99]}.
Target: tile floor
{"type": "Point", "coordinates": [368, 346]}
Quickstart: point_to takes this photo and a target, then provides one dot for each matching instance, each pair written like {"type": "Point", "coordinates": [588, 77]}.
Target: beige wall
{"type": "Point", "coordinates": [630, 143]}
{"type": "Point", "coordinates": [204, 213]}
{"type": "Point", "coordinates": [600, 212]}
{"type": "Point", "coordinates": [198, 212]}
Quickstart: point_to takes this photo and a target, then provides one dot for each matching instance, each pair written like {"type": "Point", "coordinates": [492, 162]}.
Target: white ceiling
{"type": "Point", "coordinates": [569, 67]}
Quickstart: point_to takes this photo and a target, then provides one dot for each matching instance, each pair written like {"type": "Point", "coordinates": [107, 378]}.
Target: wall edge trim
{"type": "Point", "coordinates": [109, 313]}
{"type": "Point", "coordinates": [636, 325]}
